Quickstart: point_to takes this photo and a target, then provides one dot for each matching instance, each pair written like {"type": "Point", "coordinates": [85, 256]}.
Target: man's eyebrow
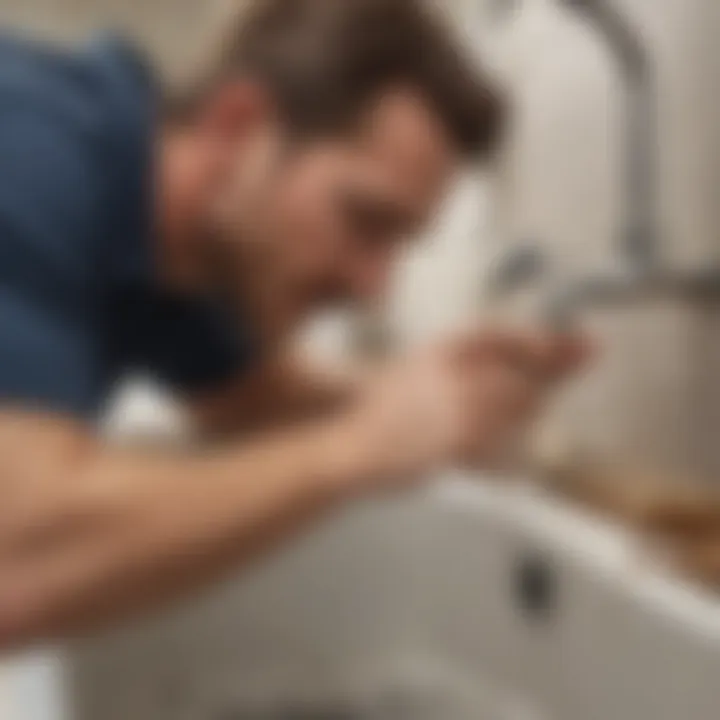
{"type": "Point", "coordinates": [395, 211]}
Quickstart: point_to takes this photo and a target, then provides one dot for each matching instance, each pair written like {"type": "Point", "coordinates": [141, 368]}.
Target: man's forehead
{"type": "Point", "coordinates": [407, 147]}
{"type": "Point", "coordinates": [402, 122]}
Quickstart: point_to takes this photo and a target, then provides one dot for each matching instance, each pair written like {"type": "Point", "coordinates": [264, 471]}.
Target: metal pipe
{"type": "Point", "coordinates": [564, 298]}
{"type": "Point", "coordinates": [639, 233]}
{"type": "Point", "coordinates": [639, 273]}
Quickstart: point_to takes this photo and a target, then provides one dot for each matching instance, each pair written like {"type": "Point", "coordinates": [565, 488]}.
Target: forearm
{"type": "Point", "coordinates": [117, 533]}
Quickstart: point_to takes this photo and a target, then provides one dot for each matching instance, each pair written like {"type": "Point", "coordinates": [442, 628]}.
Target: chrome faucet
{"type": "Point", "coordinates": [638, 271]}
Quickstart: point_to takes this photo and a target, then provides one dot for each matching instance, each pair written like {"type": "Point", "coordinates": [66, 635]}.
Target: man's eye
{"type": "Point", "coordinates": [371, 220]}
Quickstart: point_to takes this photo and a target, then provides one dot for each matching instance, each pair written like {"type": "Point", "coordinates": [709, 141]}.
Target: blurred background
{"type": "Point", "coordinates": [482, 599]}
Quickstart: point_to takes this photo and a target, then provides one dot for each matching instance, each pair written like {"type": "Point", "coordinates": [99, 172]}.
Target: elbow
{"type": "Point", "coordinates": [26, 608]}
{"type": "Point", "coordinates": [24, 617]}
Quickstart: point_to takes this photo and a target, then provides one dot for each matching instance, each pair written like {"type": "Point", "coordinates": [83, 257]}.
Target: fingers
{"type": "Point", "coordinates": [512, 394]}
{"type": "Point", "coordinates": [544, 355]}
{"type": "Point", "coordinates": [572, 353]}
{"type": "Point", "coordinates": [511, 375]}
{"type": "Point", "coordinates": [502, 403]}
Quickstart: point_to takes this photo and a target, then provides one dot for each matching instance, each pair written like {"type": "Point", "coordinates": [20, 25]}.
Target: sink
{"type": "Point", "coordinates": [475, 600]}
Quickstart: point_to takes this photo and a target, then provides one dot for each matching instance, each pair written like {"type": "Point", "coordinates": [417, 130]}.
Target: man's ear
{"type": "Point", "coordinates": [235, 109]}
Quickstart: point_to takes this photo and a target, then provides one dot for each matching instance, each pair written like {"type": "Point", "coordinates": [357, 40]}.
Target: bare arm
{"type": "Point", "coordinates": [89, 534]}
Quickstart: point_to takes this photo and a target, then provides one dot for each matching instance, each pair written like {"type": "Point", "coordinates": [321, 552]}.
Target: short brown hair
{"type": "Point", "coordinates": [326, 60]}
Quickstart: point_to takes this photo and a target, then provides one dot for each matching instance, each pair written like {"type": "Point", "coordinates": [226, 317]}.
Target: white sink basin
{"type": "Point", "coordinates": [472, 601]}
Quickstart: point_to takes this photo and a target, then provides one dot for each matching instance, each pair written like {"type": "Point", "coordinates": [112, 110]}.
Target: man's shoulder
{"type": "Point", "coordinates": [74, 148]}
{"type": "Point", "coordinates": [102, 89]}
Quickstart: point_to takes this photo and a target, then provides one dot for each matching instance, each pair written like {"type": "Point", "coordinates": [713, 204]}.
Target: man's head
{"type": "Point", "coordinates": [329, 131]}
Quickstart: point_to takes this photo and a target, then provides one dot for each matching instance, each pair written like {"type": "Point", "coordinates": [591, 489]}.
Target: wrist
{"type": "Point", "coordinates": [348, 456]}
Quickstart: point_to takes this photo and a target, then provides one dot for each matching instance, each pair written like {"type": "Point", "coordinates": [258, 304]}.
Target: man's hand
{"type": "Point", "coordinates": [465, 401]}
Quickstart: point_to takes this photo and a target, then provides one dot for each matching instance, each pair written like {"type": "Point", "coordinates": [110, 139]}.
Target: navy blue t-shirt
{"type": "Point", "coordinates": [79, 303]}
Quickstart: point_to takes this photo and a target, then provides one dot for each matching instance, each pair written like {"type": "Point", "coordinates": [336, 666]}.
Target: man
{"type": "Point", "coordinates": [188, 237]}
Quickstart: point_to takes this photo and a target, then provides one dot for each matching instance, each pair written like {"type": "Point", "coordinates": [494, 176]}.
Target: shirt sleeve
{"type": "Point", "coordinates": [47, 220]}
{"type": "Point", "coordinates": [46, 360]}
